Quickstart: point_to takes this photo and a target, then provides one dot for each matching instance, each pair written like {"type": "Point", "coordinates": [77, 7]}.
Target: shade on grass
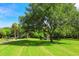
{"type": "Point", "coordinates": [36, 47]}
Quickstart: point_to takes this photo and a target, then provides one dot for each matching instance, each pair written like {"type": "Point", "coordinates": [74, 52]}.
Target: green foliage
{"type": "Point", "coordinates": [5, 32]}
{"type": "Point", "coordinates": [51, 19]}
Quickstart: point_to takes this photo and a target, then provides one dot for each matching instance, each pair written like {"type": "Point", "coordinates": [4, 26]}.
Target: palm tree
{"type": "Point", "coordinates": [15, 29]}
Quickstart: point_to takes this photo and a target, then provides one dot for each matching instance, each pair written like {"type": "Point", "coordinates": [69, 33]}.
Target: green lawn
{"type": "Point", "coordinates": [35, 47]}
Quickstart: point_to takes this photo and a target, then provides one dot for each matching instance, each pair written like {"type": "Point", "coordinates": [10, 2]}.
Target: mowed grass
{"type": "Point", "coordinates": [36, 47]}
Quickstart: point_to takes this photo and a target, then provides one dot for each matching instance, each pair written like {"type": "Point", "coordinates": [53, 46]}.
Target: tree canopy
{"type": "Point", "coordinates": [51, 19]}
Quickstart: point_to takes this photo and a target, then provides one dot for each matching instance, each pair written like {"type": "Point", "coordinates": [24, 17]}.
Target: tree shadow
{"type": "Point", "coordinates": [30, 43]}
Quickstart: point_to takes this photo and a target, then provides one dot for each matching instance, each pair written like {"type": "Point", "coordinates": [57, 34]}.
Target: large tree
{"type": "Point", "coordinates": [47, 18]}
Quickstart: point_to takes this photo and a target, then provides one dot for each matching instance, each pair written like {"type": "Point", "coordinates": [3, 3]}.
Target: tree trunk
{"type": "Point", "coordinates": [27, 35]}
{"type": "Point", "coordinates": [77, 36]}
{"type": "Point", "coordinates": [15, 34]}
{"type": "Point", "coordinates": [51, 38]}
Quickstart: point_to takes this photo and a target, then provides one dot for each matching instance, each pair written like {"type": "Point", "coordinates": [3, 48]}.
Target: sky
{"type": "Point", "coordinates": [9, 13]}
